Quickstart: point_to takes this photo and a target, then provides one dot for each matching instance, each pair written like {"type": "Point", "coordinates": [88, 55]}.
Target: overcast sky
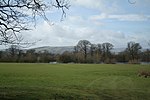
{"type": "Point", "coordinates": [99, 21]}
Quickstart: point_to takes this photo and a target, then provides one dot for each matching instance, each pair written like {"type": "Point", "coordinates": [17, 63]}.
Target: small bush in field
{"type": "Point", "coordinates": [135, 61]}
{"type": "Point", "coordinates": [144, 73]}
{"type": "Point", "coordinates": [110, 61]}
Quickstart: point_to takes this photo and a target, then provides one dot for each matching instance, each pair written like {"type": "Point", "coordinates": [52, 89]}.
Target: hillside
{"type": "Point", "coordinates": [60, 50]}
{"type": "Point", "coordinates": [54, 50]}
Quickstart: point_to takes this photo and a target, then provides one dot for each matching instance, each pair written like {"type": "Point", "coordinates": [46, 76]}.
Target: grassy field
{"type": "Point", "coordinates": [73, 82]}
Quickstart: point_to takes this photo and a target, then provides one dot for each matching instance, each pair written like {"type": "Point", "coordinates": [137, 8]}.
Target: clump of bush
{"type": "Point", "coordinates": [134, 61]}
{"type": "Point", "coordinates": [144, 73]}
{"type": "Point", "coordinates": [110, 61]}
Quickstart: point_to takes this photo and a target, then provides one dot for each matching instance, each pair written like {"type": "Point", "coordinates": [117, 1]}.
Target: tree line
{"type": "Point", "coordinates": [84, 52]}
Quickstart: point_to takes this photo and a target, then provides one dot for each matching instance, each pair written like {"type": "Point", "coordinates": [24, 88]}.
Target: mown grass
{"type": "Point", "coordinates": [73, 82]}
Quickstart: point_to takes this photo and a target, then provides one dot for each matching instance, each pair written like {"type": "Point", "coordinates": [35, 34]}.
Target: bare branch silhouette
{"type": "Point", "coordinates": [16, 14]}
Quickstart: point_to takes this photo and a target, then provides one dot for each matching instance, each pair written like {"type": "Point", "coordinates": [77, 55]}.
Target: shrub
{"type": "Point", "coordinates": [144, 73]}
{"type": "Point", "coordinates": [134, 61]}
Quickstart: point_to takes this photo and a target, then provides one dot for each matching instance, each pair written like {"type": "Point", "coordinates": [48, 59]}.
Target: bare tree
{"type": "Point", "coordinates": [106, 50]}
{"type": "Point", "coordinates": [16, 14]}
{"type": "Point", "coordinates": [13, 50]}
{"type": "Point", "coordinates": [99, 52]}
{"type": "Point", "coordinates": [133, 51]}
{"type": "Point", "coordinates": [84, 47]}
{"type": "Point", "coordinates": [93, 49]}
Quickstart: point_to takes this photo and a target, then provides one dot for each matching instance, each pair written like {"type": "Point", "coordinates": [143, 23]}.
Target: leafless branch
{"type": "Point", "coordinates": [63, 5]}
{"type": "Point", "coordinates": [14, 17]}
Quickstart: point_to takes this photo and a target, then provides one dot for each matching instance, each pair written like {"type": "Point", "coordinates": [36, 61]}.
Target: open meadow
{"type": "Point", "coordinates": [73, 82]}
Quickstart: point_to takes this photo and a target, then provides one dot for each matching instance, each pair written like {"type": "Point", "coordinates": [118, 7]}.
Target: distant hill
{"type": "Point", "coordinates": [60, 50]}
{"type": "Point", "coordinates": [117, 50]}
{"type": "Point", "coordinates": [54, 50]}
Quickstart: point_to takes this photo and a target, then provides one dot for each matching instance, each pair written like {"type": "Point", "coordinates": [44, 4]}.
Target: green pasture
{"type": "Point", "coordinates": [73, 82]}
